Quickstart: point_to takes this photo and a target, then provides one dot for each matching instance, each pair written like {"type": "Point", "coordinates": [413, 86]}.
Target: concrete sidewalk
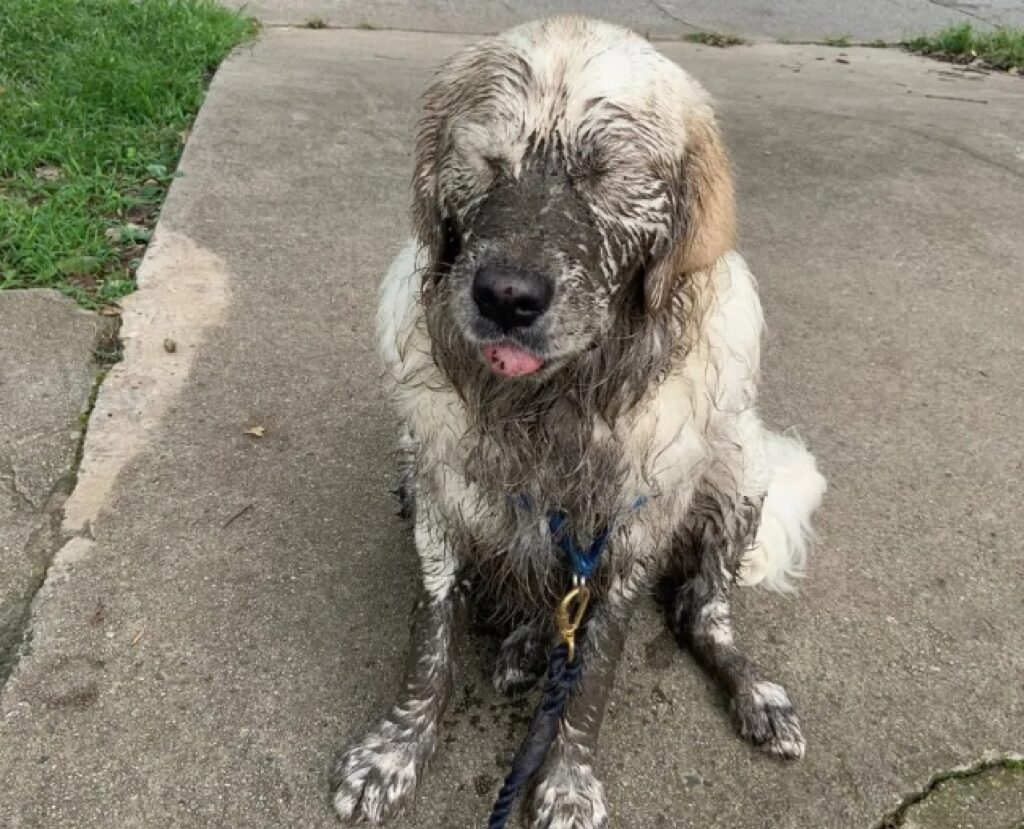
{"type": "Point", "coordinates": [795, 20]}
{"type": "Point", "coordinates": [232, 607]}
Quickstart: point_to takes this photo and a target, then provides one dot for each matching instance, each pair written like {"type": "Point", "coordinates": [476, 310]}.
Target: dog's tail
{"type": "Point", "coordinates": [784, 539]}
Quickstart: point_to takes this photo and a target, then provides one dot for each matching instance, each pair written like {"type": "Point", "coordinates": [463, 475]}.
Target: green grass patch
{"type": "Point", "coordinates": [96, 98]}
{"type": "Point", "coordinates": [714, 39]}
{"type": "Point", "coordinates": [1000, 48]}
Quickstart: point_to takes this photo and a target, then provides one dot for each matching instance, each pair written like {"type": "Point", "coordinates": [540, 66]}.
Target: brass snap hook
{"type": "Point", "coordinates": [569, 615]}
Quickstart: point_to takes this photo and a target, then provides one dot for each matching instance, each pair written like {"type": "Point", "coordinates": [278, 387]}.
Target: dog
{"type": "Point", "coordinates": [571, 332]}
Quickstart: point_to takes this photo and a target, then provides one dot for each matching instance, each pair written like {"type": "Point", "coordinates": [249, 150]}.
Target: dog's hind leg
{"type": "Point", "coordinates": [719, 529]}
{"type": "Point", "coordinates": [377, 774]}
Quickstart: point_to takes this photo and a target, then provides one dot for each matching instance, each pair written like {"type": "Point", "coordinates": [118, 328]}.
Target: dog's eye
{"type": "Point", "coordinates": [636, 286]}
{"type": "Point", "coordinates": [498, 166]}
{"type": "Point", "coordinates": [451, 246]}
{"type": "Point", "coordinates": [588, 170]}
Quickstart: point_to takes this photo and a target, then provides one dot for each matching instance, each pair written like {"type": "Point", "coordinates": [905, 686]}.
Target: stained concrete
{"type": "Point", "coordinates": [239, 606]}
{"type": "Point", "coordinates": [47, 374]}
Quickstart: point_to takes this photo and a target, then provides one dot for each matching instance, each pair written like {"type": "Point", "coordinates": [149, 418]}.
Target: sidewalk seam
{"type": "Point", "coordinates": [895, 818]}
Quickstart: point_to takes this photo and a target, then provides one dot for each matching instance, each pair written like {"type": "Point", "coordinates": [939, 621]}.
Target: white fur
{"type": "Point", "coordinates": [770, 694]}
{"type": "Point", "coordinates": [399, 294]}
{"type": "Point", "coordinates": [733, 335]}
{"type": "Point", "coordinates": [714, 616]}
{"type": "Point", "coordinates": [437, 565]}
{"type": "Point", "coordinates": [785, 536]}
{"type": "Point", "coordinates": [379, 774]}
{"type": "Point", "coordinates": [767, 719]}
{"type": "Point", "coordinates": [568, 795]}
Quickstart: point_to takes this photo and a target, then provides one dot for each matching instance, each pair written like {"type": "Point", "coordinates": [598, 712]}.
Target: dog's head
{"type": "Point", "coordinates": [566, 174]}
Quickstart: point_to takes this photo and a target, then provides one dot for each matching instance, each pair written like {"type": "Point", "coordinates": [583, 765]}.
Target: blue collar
{"type": "Point", "coordinates": [582, 560]}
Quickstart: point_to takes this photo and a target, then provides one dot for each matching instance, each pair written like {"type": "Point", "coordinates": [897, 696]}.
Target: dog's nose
{"type": "Point", "coordinates": [510, 297]}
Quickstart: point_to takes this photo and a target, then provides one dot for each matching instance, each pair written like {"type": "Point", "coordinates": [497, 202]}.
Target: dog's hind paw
{"type": "Point", "coordinates": [568, 796]}
{"type": "Point", "coordinates": [767, 719]}
{"type": "Point", "coordinates": [375, 777]}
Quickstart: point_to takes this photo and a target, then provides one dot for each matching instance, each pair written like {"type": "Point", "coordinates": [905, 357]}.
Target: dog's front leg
{"type": "Point", "coordinates": [376, 775]}
{"type": "Point", "coordinates": [568, 794]}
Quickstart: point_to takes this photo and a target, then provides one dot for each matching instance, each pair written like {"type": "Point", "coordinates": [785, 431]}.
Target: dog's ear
{"type": "Point", "coordinates": [707, 223]}
{"type": "Point", "coordinates": [427, 220]}
{"type": "Point", "coordinates": [436, 229]}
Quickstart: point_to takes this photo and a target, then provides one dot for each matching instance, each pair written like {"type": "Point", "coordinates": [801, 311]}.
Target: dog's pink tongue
{"type": "Point", "coordinates": [511, 361]}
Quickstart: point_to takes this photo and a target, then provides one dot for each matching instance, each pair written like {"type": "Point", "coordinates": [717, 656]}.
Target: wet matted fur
{"type": "Point", "coordinates": [571, 154]}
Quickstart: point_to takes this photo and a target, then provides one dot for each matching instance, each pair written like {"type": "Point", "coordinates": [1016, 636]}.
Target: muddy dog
{"type": "Point", "coordinates": [571, 332]}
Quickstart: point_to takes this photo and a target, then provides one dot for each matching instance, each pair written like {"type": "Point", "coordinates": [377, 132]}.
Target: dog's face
{"type": "Point", "coordinates": [556, 189]}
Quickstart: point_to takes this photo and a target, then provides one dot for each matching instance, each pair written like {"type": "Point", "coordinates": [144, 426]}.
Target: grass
{"type": "Point", "coordinates": [1000, 48]}
{"type": "Point", "coordinates": [713, 39]}
{"type": "Point", "coordinates": [315, 23]}
{"type": "Point", "coordinates": [839, 41]}
{"type": "Point", "coordinates": [96, 98]}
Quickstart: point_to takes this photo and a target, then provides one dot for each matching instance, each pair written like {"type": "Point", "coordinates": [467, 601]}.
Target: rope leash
{"type": "Point", "coordinates": [563, 674]}
{"type": "Point", "coordinates": [565, 663]}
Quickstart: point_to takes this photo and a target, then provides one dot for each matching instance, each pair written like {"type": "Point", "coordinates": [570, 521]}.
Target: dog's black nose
{"type": "Point", "coordinates": [510, 297]}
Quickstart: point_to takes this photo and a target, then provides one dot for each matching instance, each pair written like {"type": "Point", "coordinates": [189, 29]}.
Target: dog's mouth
{"type": "Point", "coordinates": [508, 359]}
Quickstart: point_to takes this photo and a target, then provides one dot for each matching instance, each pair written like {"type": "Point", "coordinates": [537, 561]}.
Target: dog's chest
{"type": "Point", "coordinates": [514, 543]}
{"type": "Point", "coordinates": [500, 499]}
{"type": "Point", "coordinates": [495, 496]}
{"type": "Point", "coordinates": [506, 504]}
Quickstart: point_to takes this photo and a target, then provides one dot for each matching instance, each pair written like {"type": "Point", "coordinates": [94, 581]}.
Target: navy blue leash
{"type": "Point", "coordinates": [561, 680]}
{"type": "Point", "coordinates": [565, 664]}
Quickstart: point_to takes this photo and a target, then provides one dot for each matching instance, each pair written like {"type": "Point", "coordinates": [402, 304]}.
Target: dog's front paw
{"type": "Point", "coordinates": [767, 719]}
{"type": "Point", "coordinates": [375, 777]}
{"type": "Point", "coordinates": [568, 796]}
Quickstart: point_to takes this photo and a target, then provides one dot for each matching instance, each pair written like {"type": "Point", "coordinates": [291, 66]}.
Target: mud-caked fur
{"type": "Point", "coordinates": [570, 148]}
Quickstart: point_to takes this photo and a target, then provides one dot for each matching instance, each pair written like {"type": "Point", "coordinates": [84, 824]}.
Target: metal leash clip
{"type": "Point", "coordinates": [569, 615]}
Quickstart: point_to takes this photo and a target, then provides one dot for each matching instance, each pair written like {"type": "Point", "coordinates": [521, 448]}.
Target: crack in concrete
{"type": "Point", "coordinates": [896, 818]}
{"type": "Point", "coordinates": [673, 17]}
{"type": "Point", "coordinates": [44, 541]}
{"type": "Point", "coordinates": [960, 8]}
{"type": "Point", "coordinates": [42, 545]}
